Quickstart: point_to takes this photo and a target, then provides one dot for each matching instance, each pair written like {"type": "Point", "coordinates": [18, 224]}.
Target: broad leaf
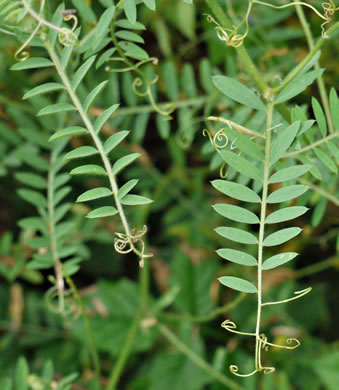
{"type": "Point", "coordinates": [286, 214]}
{"type": "Point", "coordinates": [277, 260]}
{"type": "Point", "coordinates": [237, 235]}
{"type": "Point", "coordinates": [126, 188]}
{"type": "Point", "coordinates": [82, 151]}
{"type": "Point", "coordinates": [68, 132]}
{"type": "Point", "coordinates": [102, 118]}
{"type": "Point", "coordinates": [283, 142]}
{"type": "Point", "coordinates": [238, 284]}
{"type": "Point", "coordinates": [281, 236]}
{"type": "Point", "coordinates": [56, 108]}
{"type": "Point", "coordinates": [106, 211]}
{"type": "Point", "coordinates": [89, 169]}
{"type": "Point", "coordinates": [237, 191]}
{"type": "Point", "coordinates": [286, 193]}
{"type": "Point", "coordinates": [237, 256]}
{"type": "Point", "coordinates": [81, 72]}
{"type": "Point", "coordinates": [289, 173]}
{"type": "Point", "coordinates": [123, 162]}
{"type": "Point", "coordinates": [236, 213]}
{"type": "Point", "coordinates": [241, 165]}
{"type": "Point", "coordinates": [41, 89]}
{"type": "Point", "coordinates": [135, 200]}
{"type": "Point", "coordinates": [238, 92]}
{"type": "Point", "coordinates": [114, 140]}
{"type": "Point", "coordinates": [95, 193]}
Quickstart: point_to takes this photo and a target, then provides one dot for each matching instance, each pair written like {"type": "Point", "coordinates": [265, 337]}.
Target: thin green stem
{"type": "Point", "coordinates": [262, 231]}
{"type": "Point", "coordinates": [320, 79]}
{"type": "Point", "coordinates": [318, 267]}
{"type": "Point", "coordinates": [94, 351]}
{"type": "Point", "coordinates": [313, 145]}
{"type": "Point", "coordinates": [201, 363]}
{"type": "Point", "coordinates": [96, 141]}
{"type": "Point", "coordinates": [292, 75]}
{"type": "Point", "coordinates": [320, 191]}
{"type": "Point", "coordinates": [208, 317]}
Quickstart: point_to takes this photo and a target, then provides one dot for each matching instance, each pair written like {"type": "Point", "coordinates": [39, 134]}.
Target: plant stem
{"type": "Point", "coordinates": [90, 332]}
{"type": "Point", "coordinates": [318, 267]}
{"type": "Point", "coordinates": [173, 339]}
{"type": "Point", "coordinates": [292, 75]}
{"type": "Point", "coordinates": [208, 317]}
{"type": "Point", "coordinates": [320, 191]}
{"type": "Point", "coordinates": [241, 50]}
{"type": "Point", "coordinates": [270, 107]}
{"type": "Point", "coordinates": [309, 147]}
{"type": "Point", "coordinates": [320, 79]}
{"type": "Point", "coordinates": [96, 141]}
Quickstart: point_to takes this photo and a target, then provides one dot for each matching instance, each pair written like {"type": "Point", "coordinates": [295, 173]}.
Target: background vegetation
{"type": "Point", "coordinates": [158, 326]}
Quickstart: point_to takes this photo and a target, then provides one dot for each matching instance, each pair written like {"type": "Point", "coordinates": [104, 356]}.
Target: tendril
{"type": "Point", "coordinates": [234, 370]}
{"type": "Point", "coordinates": [328, 12]}
{"type": "Point", "coordinates": [124, 244]}
{"type": "Point", "coordinates": [298, 294]}
{"type": "Point", "coordinates": [264, 344]}
{"type": "Point", "coordinates": [231, 327]}
{"type": "Point", "coordinates": [52, 294]}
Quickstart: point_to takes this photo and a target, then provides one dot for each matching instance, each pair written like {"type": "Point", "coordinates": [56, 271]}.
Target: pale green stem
{"type": "Point", "coordinates": [320, 191]}
{"type": "Point", "coordinates": [201, 363]}
{"type": "Point", "coordinates": [51, 229]}
{"type": "Point", "coordinates": [97, 143]}
{"type": "Point", "coordinates": [318, 267]}
{"type": "Point", "coordinates": [320, 79]}
{"type": "Point", "coordinates": [270, 107]}
{"type": "Point", "coordinates": [313, 145]}
{"type": "Point", "coordinates": [306, 60]}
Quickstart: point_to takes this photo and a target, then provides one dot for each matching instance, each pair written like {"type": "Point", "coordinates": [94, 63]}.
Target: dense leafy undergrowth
{"type": "Point", "coordinates": [168, 167]}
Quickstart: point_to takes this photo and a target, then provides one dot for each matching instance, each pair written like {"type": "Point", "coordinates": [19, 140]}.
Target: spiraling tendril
{"type": "Point", "coordinates": [124, 244]}
{"type": "Point", "coordinates": [66, 36]}
{"type": "Point", "coordinates": [52, 296]}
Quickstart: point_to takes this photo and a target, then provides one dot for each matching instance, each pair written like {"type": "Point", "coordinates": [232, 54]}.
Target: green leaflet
{"type": "Point", "coordinates": [237, 256]}
{"type": "Point", "coordinates": [60, 194]}
{"type": "Point", "coordinates": [89, 169]}
{"type": "Point", "coordinates": [245, 145]}
{"type": "Point", "coordinates": [126, 188]}
{"type": "Point", "coordinates": [130, 10]}
{"type": "Point", "coordinates": [236, 191]}
{"type": "Point", "coordinates": [323, 157]}
{"type": "Point", "coordinates": [236, 213]}
{"type": "Point", "coordinates": [123, 162]}
{"type": "Point", "coordinates": [106, 211]}
{"type": "Point", "coordinates": [32, 63]}
{"type": "Point", "coordinates": [56, 108]}
{"type": "Point", "coordinates": [238, 284]}
{"type": "Point", "coordinates": [124, 23]}
{"type": "Point", "coordinates": [150, 4]}
{"type": "Point", "coordinates": [94, 94]}
{"type": "Point", "coordinates": [85, 11]}
{"type": "Point", "coordinates": [135, 200]}
{"type": "Point", "coordinates": [21, 374]}
{"type": "Point", "coordinates": [241, 165]}
{"type": "Point", "coordinates": [33, 224]}
{"type": "Point", "coordinates": [114, 140]}
{"type": "Point", "coordinates": [41, 89]}
{"type": "Point", "coordinates": [134, 51]}
{"type": "Point", "coordinates": [281, 236]}
{"type": "Point", "coordinates": [81, 72]}
{"type": "Point", "coordinates": [238, 92]}
{"type": "Point", "coordinates": [319, 116]}
{"type": "Point", "coordinates": [129, 36]}
{"type": "Point", "coordinates": [102, 118]}
{"type": "Point", "coordinates": [95, 193]}
{"type": "Point", "coordinates": [82, 151]}
{"type": "Point", "coordinates": [237, 235]}
{"type": "Point", "coordinates": [163, 126]}
{"type": "Point", "coordinates": [277, 260]}
{"type": "Point", "coordinates": [61, 211]}
{"type": "Point", "coordinates": [298, 85]}
{"type": "Point", "coordinates": [103, 25]}
{"type": "Point", "coordinates": [334, 107]}
{"type": "Point", "coordinates": [286, 193]}
{"type": "Point", "coordinates": [284, 141]}
{"type": "Point", "coordinates": [68, 132]}
{"type": "Point", "coordinates": [289, 173]}
{"type": "Point", "coordinates": [32, 180]}
{"type": "Point", "coordinates": [286, 214]}
{"type": "Point", "coordinates": [33, 197]}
